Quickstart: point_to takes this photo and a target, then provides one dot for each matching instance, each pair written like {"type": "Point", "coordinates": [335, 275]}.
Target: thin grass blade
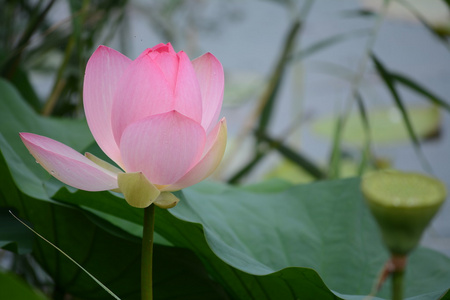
{"type": "Point", "coordinates": [390, 84]}
{"type": "Point", "coordinates": [411, 84]}
{"type": "Point", "coordinates": [328, 42]}
{"type": "Point", "coordinates": [366, 152]}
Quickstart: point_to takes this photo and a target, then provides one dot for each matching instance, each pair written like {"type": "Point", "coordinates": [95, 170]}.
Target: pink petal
{"type": "Point", "coordinates": [161, 48]}
{"type": "Point", "coordinates": [168, 64]}
{"type": "Point", "coordinates": [211, 79]}
{"type": "Point", "coordinates": [188, 98]}
{"type": "Point", "coordinates": [164, 147]}
{"type": "Point", "coordinates": [103, 71]}
{"type": "Point", "coordinates": [211, 137]}
{"type": "Point", "coordinates": [209, 162]}
{"type": "Point", "coordinates": [156, 50]}
{"type": "Point", "coordinates": [142, 91]}
{"type": "Point", "coordinates": [68, 165]}
{"type": "Point", "coordinates": [166, 58]}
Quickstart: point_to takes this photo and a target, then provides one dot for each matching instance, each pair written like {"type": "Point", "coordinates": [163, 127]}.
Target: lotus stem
{"type": "Point", "coordinates": [397, 285]}
{"type": "Point", "coordinates": [399, 263]}
{"type": "Point", "coordinates": [147, 253]}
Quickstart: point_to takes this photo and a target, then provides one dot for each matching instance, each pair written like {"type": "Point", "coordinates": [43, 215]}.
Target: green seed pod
{"type": "Point", "coordinates": [403, 204]}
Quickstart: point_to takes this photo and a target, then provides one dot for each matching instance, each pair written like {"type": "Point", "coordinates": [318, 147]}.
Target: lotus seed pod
{"type": "Point", "coordinates": [403, 205]}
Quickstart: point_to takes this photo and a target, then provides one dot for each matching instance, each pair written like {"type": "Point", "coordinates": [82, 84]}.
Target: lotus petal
{"type": "Point", "coordinates": [210, 76]}
{"type": "Point", "coordinates": [208, 163]}
{"type": "Point", "coordinates": [103, 164]}
{"type": "Point", "coordinates": [142, 91]}
{"type": "Point", "coordinates": [166, 200]}
{"type": "Point", "coordinates": [188, 98]}
{"type": "Point", "coordinates": [167, 60]}
{"type": "Point", "coordinates": [138, 191]}
{"type": "Point", "coordinates": [164, 147]}
{"type": "Point", "coordinates": [68, 165]}
{"type": "Point", "coordinates": [103, 71]}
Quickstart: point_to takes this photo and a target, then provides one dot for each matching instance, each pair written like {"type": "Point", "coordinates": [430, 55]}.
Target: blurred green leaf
{"type": "Point", "coordinates": [14, 236]}
{"type": "Point", "coordinates": [272, 185]}
{"type": "Point", "coordinates": [295, 174]}
{"type": "Point", "coordinates": [9, 68]}
{"type": "Point", "coordinates": [13, 287]}
{"type": "Point", "coordinates": [16, 116]}
{"type": "Point", "coordinates": [23, 85]}
{"type": "Point", "coordinates": [386, 125]}
{"type": "Point", "coordinates": [34, 40]}
{"type": "Point", "coordinates": [290, 172]}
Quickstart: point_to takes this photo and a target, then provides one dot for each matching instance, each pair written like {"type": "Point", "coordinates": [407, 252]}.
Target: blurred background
{"type": "Point", "coordinates": [314, 89]}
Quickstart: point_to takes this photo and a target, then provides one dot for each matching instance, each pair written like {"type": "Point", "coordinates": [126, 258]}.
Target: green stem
{"type": "Point", "coordinates": [147, 253]}
{"type": "Point", "coordinates": [397, 285]}
{"type": "Point", "coordinates": [399, 264]}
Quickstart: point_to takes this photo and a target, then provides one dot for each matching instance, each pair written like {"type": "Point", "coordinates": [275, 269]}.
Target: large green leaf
{"type": "Point", "coordinates": [112, 255]}
{"type": "Point", "coordinates": [275, 244]}
{"type": "Point", "coordinates": [13, 287]}
{"type": "Point", "coordinates": [324, 226]}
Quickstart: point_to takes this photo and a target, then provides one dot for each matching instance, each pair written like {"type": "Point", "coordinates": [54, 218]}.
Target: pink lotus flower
{"type": "Point", "coordinates": [156, 117]}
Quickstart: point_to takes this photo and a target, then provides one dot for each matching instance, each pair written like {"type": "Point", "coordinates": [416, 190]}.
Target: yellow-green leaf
{"type": "Point", "coordinates": [386, 125]}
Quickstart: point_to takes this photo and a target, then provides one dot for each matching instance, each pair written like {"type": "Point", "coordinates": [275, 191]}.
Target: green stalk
{"type": "Point", "coordinates": [399, 264]}
{"type": "Point", "coordinates": [147, 253]}
{"type": "Point", "coordinates": [397, 284]}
